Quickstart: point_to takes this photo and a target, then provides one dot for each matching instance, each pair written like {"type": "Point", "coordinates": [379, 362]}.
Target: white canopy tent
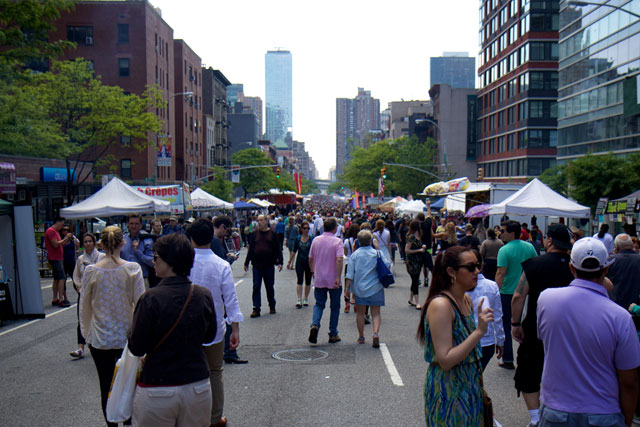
{"type": "Point", "coordinates": [538, 199]}
{"type": "Point", "coordinates": [261, 203]}
{"type": "Point", "coordinates": [412, 207]}
{"type": "Point", "coordinates": [115, 198]}
{"type": "Point", "coordinates": [200, 199]}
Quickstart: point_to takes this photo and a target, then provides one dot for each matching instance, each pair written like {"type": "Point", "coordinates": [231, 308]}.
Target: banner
{"type": "Point", "coordinates": [164, 151]}
{"type": "Point", "coordinates": [298, 180]}
{"type": "Point", "coordinates": [173, 194]}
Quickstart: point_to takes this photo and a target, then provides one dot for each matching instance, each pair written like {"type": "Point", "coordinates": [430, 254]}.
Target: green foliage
{"type": "Point", "coordinates": [256, 179]}
{"type": "Point", "coordinates": [556, 178]}
{"type": "Point", "coordinates": [363, 171]}
{"type": "Point", "coordinates": [336, 187]}
{"type": "Point", "coordinates": [309, 186]}
{"type": "Point", "coordinates": [219, 185]}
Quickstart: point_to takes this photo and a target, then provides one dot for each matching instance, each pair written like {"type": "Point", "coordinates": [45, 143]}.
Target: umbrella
{"type": "Point", "coordinates": [478, 211]}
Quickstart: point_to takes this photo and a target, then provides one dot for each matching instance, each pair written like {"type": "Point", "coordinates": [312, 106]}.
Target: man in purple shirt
{"type": "Point", "coordinates": [591, 348]}
{"type": "Point", "coordinates": [325, 260]}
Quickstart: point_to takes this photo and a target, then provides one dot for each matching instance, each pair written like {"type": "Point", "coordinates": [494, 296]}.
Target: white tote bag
{"type": "Point", "coordinates": [123, 387]}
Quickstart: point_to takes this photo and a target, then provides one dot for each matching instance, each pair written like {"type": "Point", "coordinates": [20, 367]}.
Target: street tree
{"type": "Point", "coordinates": [218, 185]}
{"type": "Point", "coordinates": [556, 178]}
{"type": "Point", "coordinates": [309, 186]}
{"type": "Point", "coordinates": [257, 179]}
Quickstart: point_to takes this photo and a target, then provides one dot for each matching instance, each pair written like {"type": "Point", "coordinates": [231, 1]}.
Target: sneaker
{"type": "Point", "coordinates": [361, 340]}
{"type": "Point", "coordinates": [255, 313]}
{"type": "Point", "coordinates": [272, 311]}
{"type": "Point", "coordinates": [78, 354]}
{"type": "Point", "coordinates": [334, 339]}
{"type": "Point", "coordinates": [299, 304]}
{"type": "Point", "coordinates": [64, 303]}
{"type": "Point", "coordinates": [305, 302]}
{"type": "Point", "coordinates": [376, 342]}
{"type": "Point", "coordinates": [313, 335]}
{"type": "Point", "coordinates": [507, 365]}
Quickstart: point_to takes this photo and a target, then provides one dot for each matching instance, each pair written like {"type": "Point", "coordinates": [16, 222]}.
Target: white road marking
{"type": "Point", "coordinates": [37, 320]}
{"type": "Point", "coordinates": [238, 282]}
{"type": "Point", "coordinates": [391, 367]}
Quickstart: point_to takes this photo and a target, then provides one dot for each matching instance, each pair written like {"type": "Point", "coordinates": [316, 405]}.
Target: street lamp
{"type": "Point", "coordinates": [155, 169]}
{"type": "Point", "coordinates": [444, 146]}
{"type": "Point", "coordinates": [588, 3]}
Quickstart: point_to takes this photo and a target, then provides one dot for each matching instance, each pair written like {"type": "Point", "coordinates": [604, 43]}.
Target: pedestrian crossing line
{"type": "Point", "coordinates": [391, 367]}
{"type": "Point", "coordinates": [238, 282]}
{"type": "Point", "coordinates": [37, 320]}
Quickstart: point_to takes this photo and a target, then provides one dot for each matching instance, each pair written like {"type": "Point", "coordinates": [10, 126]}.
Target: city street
{"type": "Point", "coordinates": [41, 385]}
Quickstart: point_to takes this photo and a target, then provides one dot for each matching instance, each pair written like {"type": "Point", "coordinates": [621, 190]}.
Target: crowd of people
{"type": "Point", "coordinates": [572, 309]}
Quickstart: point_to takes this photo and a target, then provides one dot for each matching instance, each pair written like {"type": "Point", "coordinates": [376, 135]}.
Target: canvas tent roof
{"type": "Point", "coordinates": [414, 206]}
{"type": "Point", "coordinates": [538, 199]}
{"type": "Point", "coordinates": [115, 198]}
{"type": "Point", "coordinates": [200, 199]}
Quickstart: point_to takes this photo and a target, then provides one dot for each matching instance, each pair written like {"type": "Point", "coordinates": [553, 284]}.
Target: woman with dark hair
{"type": "Point", "coordinates": [171, 323]}
{"type": "Point", "coordinates": [349, 241]}
{"type": "Point", "coordinates": [414, 250]}
{"type": "Point", "coordinates": [388, 224]}
{"type": "Point", "coordinates": [452, 389]}
{"type": "Point", "coordinates": [110, 289]}
{"type": "Point", "coordinates": [384, 238]}
{"type": "Point", "coordinates": [300, 251]}
{"type": "Point", "coordinates": [605, 237]}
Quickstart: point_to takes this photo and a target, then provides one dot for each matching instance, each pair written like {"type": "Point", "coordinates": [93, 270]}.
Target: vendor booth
{"type": "Point", "coordinates": [202, 201]}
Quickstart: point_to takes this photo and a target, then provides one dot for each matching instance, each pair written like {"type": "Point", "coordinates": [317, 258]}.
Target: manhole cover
{"type": "Point", "coordinates": [300, 355]}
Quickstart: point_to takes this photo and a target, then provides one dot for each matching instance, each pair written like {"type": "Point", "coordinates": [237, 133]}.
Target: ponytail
{"type": "Point", "coordinates": [111, 238]}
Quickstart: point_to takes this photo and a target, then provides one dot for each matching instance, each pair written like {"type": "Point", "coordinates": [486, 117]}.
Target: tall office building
{"type": "Point", "coordinates": [253, 104]}
{"type": "Point", "coordinates": [517, 98]}
{"type": "Point", "coordinates": [234, 92]}
{"type": "Point", "coordinates": [599, 73]}
{"type": "Point", "coordinates": [357, 121]}
{"type": "Point", "coordinates": [455, 69]}
{"type": "Point", "coordinates": [278, 90]}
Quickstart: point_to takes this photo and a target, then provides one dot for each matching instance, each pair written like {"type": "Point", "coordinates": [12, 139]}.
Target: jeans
{"type": "Point", "coordinates": [321, 301]}
{"type": "Point", "coordinates": [228, 353]}
{"type": "Point", "coordinates": [505, 299]}
{"type": "Point", "coordinates": [550, 417]}
{"type": "Point", "coordinates": [268, 273]}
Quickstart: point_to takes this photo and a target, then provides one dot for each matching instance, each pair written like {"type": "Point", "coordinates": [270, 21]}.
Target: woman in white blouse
{"type": "Point", "coordinates": [89, 257]}
{"type": "Point", "coordinates": [110, 290]}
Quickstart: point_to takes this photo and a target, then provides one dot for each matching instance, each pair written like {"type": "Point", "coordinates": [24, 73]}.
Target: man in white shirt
{"type": "Point", "coordinates": [214, 273]}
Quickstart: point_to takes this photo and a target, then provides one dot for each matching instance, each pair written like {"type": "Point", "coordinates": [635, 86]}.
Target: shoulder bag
{"type": "Point", "coordinates": [384, 274]}
{"type": "Point", "coordinates": [126, 373]}
{"type": "Point", "coordinates": [486, 400]}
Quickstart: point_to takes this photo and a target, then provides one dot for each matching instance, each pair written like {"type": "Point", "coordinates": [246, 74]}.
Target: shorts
{"type": "Point", "coordinates": [530, 364]}
{"type": "Point", "coordinates": [57, 269]}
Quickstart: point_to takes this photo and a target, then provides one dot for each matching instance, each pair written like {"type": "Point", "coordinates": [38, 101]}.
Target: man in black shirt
{"type": "Point", "coordinates": [221, 226]}
{"type": "Point", "coordinates": [426, 231]}
{"type": "Point", "coordinates": [469, 240]}
{"type": "Point", "coordinates": [539, 273]}
{"type": "Point", "coordinates": [264, 253]}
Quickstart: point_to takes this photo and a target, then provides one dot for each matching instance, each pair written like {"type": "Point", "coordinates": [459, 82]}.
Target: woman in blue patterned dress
{"type": "Point", "coordinates": [452, 390]}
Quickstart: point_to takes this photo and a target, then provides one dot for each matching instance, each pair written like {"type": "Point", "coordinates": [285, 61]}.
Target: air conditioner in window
{"type": "Point", "coordinates": [89, 40]}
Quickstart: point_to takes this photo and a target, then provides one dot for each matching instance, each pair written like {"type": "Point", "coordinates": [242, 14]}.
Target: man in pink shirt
{"type": "Point", "coordinates": [325, 260]}
{"type": "Point", "coordinates": [53, 243]}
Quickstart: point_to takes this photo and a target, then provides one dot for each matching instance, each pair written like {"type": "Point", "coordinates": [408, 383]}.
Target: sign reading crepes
{"type": "Point", "coordinates": [171, 193]}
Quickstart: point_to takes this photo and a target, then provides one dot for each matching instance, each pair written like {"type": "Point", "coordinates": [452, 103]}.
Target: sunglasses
{"type": "Point", "coordinates": [471, 268]}
{"type": "Point", "coordinates": [305, 228]}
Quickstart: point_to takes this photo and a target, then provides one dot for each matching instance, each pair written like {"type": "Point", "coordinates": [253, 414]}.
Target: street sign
{"type": "Point", "coordinates": [235, 174]}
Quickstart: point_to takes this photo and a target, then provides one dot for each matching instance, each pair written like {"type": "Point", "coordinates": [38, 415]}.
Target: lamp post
{"type": "Point", "coordinates": [155, 162]}
{"type": "Point", "coordinates": [445, 171]}
{"type": "Point", "coordinates": [588, 3]}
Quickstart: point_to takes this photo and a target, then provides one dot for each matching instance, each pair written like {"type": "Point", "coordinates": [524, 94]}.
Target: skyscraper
{"type": "Point", "coordinates": [518, 88]}
{"type": "Point", "coordinates": [598, 109]}
{"type": "Point", "coordinates": [356, 119]}
{"type": "Point", "coordinates": [278, 88]}
{"type": "Point", "coordinates": [234, 92]}
{"type": "Point", "coordinates": [455, 69]}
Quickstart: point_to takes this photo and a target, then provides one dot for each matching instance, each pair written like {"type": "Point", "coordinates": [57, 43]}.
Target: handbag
{"type": "Point", "coordinates": [126, 373]}
{"type": "Point", "coordinates": [384, 274]}
{"type": "Point", "coordinates": [487, 404]}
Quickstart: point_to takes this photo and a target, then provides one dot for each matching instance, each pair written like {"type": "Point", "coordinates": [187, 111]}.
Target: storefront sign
{"type": "Point", "coordinates": [631, 206]}
{"type": "Point", "coordinates": [617, 207]}
{"type": "Point", "coordinates": [171, 193]}
{"type": "Point", "coordinates": [56, 175]}
{"type": "Point", "coordinates": [7, 178]}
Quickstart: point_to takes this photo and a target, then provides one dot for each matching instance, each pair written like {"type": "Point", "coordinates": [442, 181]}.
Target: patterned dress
{"type": "Point", "coordinates": [453, 398]}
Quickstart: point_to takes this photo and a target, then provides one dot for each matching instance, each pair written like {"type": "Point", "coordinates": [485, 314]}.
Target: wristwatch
{"type": "Point", "coordinates": [515, 324]}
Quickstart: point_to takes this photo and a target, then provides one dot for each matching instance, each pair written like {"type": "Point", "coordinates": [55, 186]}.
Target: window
{"type": "Point", "coordinates": [522, 111]}
{"type": "Point", "coordinates": [514, 7]}
{"type": "Point", "coordinates": [125, 168]}
{"type": "Point", "coordinates": [511, 115]}
{"type": "Point", "coordinates": [543, 109]}
{"type": "Point", "coordinates": [125, 140]}
{"type": "Point", "coordinates": [511, 142]}
{"type": "Point", "coordinates": [524, 25]}
{"type": "Point", "coordinates": [545, 80]}
{"type": "Point", "coordinates": [524, 82]}
{"type": "Point", "coordinates": [524, 54]}
{"type": "Point", "coordinates": [544, 21]}
{"type": "Point", "coordinates": [500, 119]}
{"type": "Point", "coordinates": [81, 35]}
{"type": "Point", "coordinates": [123, 33]}
{"type": "Point", "coordinates": [512, 88]}
{"type": "Point", "coordinates": [544, 51]}
{"type": "Point", "coordinates": [123, 67]}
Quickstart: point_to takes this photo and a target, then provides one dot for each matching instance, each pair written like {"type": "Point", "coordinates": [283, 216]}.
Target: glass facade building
{"type": "Point", "coordinates": [233, 92]}
{"type": "Point", "coordinates": [518, 88]}
{"type": "Point", "coordinates": [599, 50]}
{"type": "Point", "coordinates": [278, 99]}
{"type": "Point", "coordinates": [455, 70]}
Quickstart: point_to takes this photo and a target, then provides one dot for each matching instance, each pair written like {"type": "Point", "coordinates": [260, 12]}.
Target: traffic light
{"type": "Point", "coordinates": [480, 174]}
{"type": "Point", "coordinates": [383, 173]}
{"type": "Point", "coordinates": [277, 172]}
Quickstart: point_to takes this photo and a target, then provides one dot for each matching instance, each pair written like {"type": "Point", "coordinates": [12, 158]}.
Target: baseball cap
{"type": "Point", "coordinates": [587, 252]}
{"type": "Point", "coordinates": [173, 218]}
{"type": "Point", "coordinates": [560, 236]}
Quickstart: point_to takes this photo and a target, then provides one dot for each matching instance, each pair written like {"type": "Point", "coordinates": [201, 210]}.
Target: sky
{"type": "Point", "coordinates": [337, 46]}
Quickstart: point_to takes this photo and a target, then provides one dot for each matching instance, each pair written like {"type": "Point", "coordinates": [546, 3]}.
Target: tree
{"type": "Point", "coordinates": [556, 178]}
{"type": "Point", "coordinates": [219, 185]}
{"type": "Point", "coordinates": [309, 186]}
{"type": "Point", "coordinates": [254, 180]}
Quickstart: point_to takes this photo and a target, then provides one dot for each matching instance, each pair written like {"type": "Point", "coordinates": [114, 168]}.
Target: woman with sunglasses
{"type": "Point", "coordinates": [452, 389]}
{"type": "Point", "coordinates": [110, 289]}
{"type": "Point", "coordinates": [89, 257]}
{"type": "Point", "coordinates": [301, 247]}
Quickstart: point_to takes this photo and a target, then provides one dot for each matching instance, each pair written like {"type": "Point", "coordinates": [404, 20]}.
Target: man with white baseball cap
{"type": "Point", "coordinates": [591, 348]}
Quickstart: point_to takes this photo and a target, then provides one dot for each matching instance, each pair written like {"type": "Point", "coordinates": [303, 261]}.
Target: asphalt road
{"type": "Point", "coordinates": [41, 385]}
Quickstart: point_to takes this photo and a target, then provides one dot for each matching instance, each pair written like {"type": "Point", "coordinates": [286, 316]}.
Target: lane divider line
{"type": "Point", "coordinates": [37, 320]}
{"type": "Point", "coordinates": [238, 282]}
{"type": "Point", "coordinates": [391, 367]}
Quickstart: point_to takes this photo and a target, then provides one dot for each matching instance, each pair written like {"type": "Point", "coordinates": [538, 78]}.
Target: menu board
{"type": "Point", "coordinates": [631, 206]}
{"type": "Point", "coordinates": [602, 204]}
